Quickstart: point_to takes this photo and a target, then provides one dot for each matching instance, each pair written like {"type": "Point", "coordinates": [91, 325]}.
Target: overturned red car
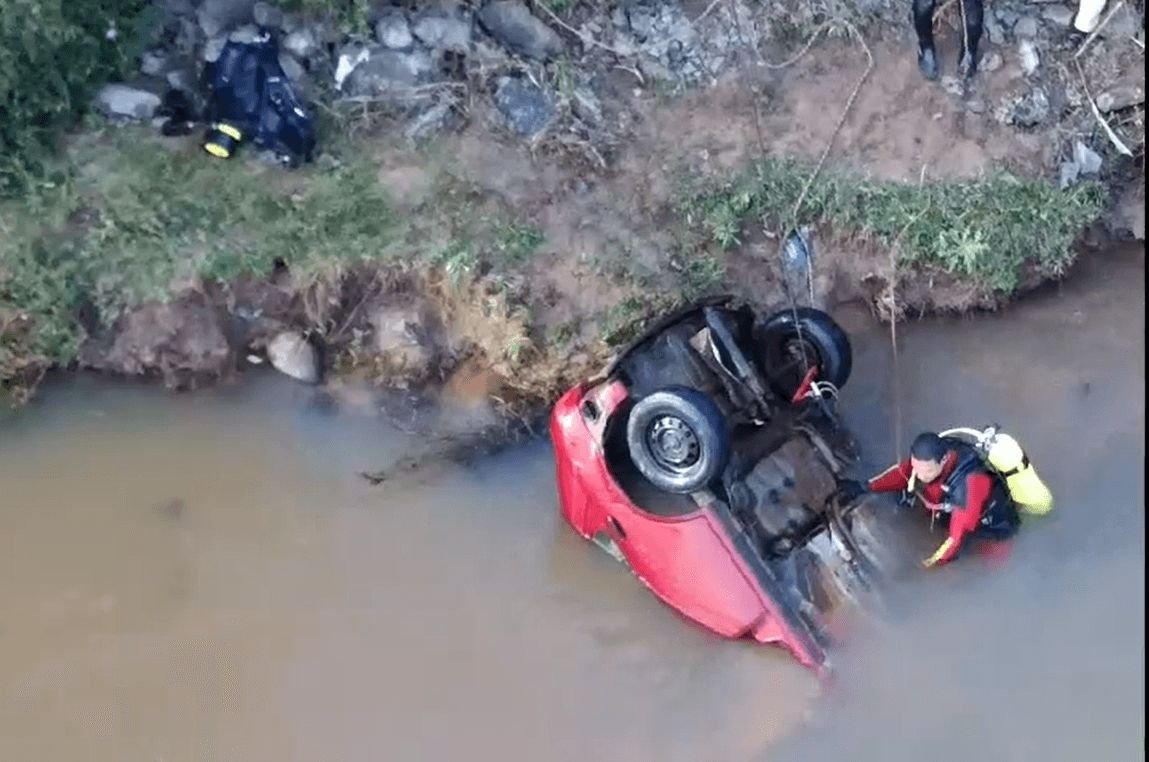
{"type": "Point", "coordinates": [706, 458]}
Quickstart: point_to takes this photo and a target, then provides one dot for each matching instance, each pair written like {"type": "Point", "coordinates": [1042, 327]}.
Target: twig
{"type": "Point", "coordinates": [586, 38]}
{"type": "Point", "coordinates": [805, 49]}
{"type": "Point", "coordinates": [1113, 138]}
{"type": "Point", "coordinates": [1093, 35]}
{"type": "Point", "coordinates": [841, 120]}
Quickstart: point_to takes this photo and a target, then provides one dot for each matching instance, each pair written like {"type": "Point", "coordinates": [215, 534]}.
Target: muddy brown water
{"type": "Point", "coordinates": [204, 577]}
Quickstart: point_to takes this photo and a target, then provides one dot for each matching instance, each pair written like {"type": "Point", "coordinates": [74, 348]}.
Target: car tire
{"type": "Point", "coordinates": [781, 339]}
{"type": "Point", "coordinates": [677, 439]}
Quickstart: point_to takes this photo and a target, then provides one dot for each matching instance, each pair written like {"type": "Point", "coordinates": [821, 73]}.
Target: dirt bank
{"type": "Point", "coordinates": [401, 262]}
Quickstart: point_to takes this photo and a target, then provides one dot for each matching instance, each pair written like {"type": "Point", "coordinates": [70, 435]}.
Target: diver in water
{"type": "Point", "coordinates": [948, 476]}
{"type": "Point", "coordinates": [923, 15]}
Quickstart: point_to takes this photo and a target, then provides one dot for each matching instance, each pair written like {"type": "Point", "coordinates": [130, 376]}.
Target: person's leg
{"type": "Point", "coordinates": [923, 13]}
{"type": "Point", "coordinates": [973, 25]}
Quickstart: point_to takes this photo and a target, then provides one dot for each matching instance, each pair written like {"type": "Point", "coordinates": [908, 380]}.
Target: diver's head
{"type": "Point", "coordinates": [926, 456]}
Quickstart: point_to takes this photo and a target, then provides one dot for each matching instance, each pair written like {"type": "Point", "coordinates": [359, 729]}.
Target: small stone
{"type": "Point", "coordinates": [213, 48]}
{"type": "Point", "coordinates": [586, 106]}
{"type": "Point", "coordinates": [429, 122]}
{"type": "Point", "coordinates": [393, 31]}
{"type": "Point", "coordinates": [992, 63]}
{"type": "Point", "coordinates": [381, 71]}
{"type": "Point", "coordinates": [447, 27]}
{"type": "Point", "coordinates": [126, 102]}
{"type": "Point", "coordinates": [292, 68]}
{"type": "Point", "coordinates": [153, 63]}
{"type": "Point", "coordinates": [1058, 14]}
{"type": "Point", "coordinates": [267, 15]}
{"type": "Point", "coordinates": [1030, 110]}
{"type": "Point", "coordinates": [1120, 97]}
{"type": "Point", "coordinates": [245, 35]}
{"type": "Point", "coordinates": [526, 108]}
{"type": "Point", "coordinates": [993, 29]}
{"type": "Point", "coordinates": [976, 106]}
{"type": "Point", "coordinates": [219, 16]}
{"type": "Point", "coordinates": [953, 85]}
{"type": "Point", "coordinates": [1086, 158]}
{"type": "Point", "coordinates": [291, 354]}
{"type": "Point", "coordinates": [1007, 16]}
{"type": "Point", "coordinates": [1026, 27]}
{"type": "Point", "coordinates": [1067, 174]}
{"type": "Point", "coordinates": [513, 25]}
{"type": "Point", "coordinates": [302, 43]}
{"type": "Point", "coordinates": [1027, 52]}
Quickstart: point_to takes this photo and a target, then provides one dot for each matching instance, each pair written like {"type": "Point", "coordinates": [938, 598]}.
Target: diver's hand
{"type": "Point", "coordinates": [850, 490]}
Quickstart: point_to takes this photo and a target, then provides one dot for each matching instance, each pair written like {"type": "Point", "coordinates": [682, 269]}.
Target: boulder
{"type": "Point", "coordinates": [1026, 27]}
{"type": "Point", "coordinates": [393, 31]}
{"type": "Point", "coordinates": [267, 15]}
{"type": "Point", "coordinates": [513, 25]}
{"type": "Point", "coordinates": [302, 43]}
{"type": "Point", "coordinates": [181, 341]}
{"type": "Point", "coordinates": [383, 72]}
{"type": "Point", "coordinates": [293, 355]}
{"type": "Point", "coordinates": [403, 335]}
{"type": "Point", "coordinates": [445, 26]}
{"type": "Point", "coordinates": [127, 102]}
{"type": "Point", "coordinates": [219, 16]}
{"type": "Point", "coordinates": [526, 108]}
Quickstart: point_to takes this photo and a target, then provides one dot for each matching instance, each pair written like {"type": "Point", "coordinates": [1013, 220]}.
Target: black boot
{"type": "Point", "coordinates": [928, 63]}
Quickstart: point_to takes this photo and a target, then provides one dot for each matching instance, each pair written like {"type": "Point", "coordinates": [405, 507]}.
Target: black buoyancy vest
{"type": "Point", "coordinates": [999, 511]}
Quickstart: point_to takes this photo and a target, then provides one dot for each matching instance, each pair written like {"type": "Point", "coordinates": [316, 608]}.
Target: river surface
{"type": "Point", "coordinates": [205, 577]}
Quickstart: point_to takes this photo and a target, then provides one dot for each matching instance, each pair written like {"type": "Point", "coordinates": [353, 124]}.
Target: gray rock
{"type": "Point", "coordinates": [1120, 97]}
{"type": "Point", "coordinates": [181, 340]}
{"type": "Point", "coordinates": [1068, 174]}
{"type": "Point", "coordinates": [1030, 110]}
{"type": "Point", "coordinates": [1007, 16]}
{"type": "Point", "coordinates": [302, 43]}
{"type": "Point", "coordinates": [267, 15]}
{"type": "Point", "coordinates": [403, 336]}
{"type": "Point", "coordinates": [154, 63]}
{"type": "Point", "coordinates": [1126, 23]}
{"type": "Point", "coordinates": [446, 26]}
{"type": "Point", "coordinates": [434, 119]}
{"type": "Point", "coordinates": [127, 102]}
{"type": "Point", "coordinates": [1026, 27]}
{"type": "Point", "coordinates": [1028, 57]}
{"type": "Point", "coordinates": [1058, 14]}
{"type": "Point", "coordinates": [389, 72]}
{"type": "Point", "coordinates": [292, 355]}
{"type": "Point", "coordinates": [182, 78]}
{"type": "Point", "coordinates": [513, 25]}
{"type": "Point", "coordinates": [219, 16]}
{"type": "Point", "coordinates": [992, 62]}
{"type": "Point", "coordinates": [527, 109]}
{"type": "Point", "coordinates": [245, 35]}
{"type": "Point", "coordinates": [993, 29]}
{"type": "Point", "coordinates": [292, 68]}
{"type": "Point", "coordinates": [212, 49]}
{"type": "Point", "coordinates": [1088, 160]}
{"type": "Point", "coordinates": [953, 85]}
{"type": "Point", "coordinates": [586, 106]}
{"type": "Point", "coordinates": [393, 31]}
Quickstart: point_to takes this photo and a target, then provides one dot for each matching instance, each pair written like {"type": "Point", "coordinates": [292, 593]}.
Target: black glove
{"type": "Point", "coordinates": [850, 490]}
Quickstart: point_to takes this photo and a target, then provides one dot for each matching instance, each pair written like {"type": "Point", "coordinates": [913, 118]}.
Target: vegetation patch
{"type": "Point", "coordinates": [987, 230]}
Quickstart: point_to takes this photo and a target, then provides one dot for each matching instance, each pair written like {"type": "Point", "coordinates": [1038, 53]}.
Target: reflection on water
{"type": "Point", "coordinates": [205, 577]}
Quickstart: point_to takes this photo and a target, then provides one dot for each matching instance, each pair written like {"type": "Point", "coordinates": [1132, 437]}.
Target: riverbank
{"type": "Point", "coordinates": [515, 265]}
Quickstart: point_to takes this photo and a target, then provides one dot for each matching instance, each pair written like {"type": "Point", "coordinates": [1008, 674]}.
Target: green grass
{"type": "Point", "coordinates": [139, 217]}
{"type": "Point", "coordinates": [988, 230]}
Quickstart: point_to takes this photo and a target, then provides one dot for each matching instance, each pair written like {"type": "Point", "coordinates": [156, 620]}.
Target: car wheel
{"type": "Point", "coordinates": [677, 439]}
{"type": "Point", "coordinates": [788, 344]}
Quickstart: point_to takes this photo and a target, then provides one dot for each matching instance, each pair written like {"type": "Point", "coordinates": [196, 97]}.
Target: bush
{"type": "Point", "coordinates": [52, 53]}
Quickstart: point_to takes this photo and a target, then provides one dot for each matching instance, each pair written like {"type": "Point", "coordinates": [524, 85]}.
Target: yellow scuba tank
{"type": "Point", "coordinates": [1006, 456]}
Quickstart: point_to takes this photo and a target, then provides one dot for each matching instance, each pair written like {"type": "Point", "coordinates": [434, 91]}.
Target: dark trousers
{"type": "Point", "coordinates": [924, 26]}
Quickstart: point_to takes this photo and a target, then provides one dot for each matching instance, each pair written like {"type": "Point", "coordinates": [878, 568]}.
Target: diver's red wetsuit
{"type": "Point", "coordinates": [965, 502]}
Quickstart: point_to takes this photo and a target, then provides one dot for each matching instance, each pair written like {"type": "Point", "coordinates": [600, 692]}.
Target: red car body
{"type": "Point", "coordinates": [693, 563]}
{"type": "Point", "coordinates": [702, 560]}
